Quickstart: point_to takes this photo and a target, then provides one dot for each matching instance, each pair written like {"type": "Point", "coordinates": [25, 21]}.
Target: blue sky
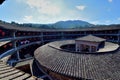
{"type": "Point", "coordinates": [51, 11]}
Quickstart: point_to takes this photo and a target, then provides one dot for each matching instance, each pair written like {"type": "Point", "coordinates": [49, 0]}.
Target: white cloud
{"type": "Point", "coordinates": [95, 22]}
{"type": "Point", "coordinates": [110, 0]}
{"type": "Point", "coordinates": [107, 21]}
{"type": "Point", "coordinates": [81, 7]}
{"type": "Point", "coordinates": [48, 11]}
{"type": "Point", "coordinates": [44, 6]}
{"type": "Point", "coordinates": [28, 18]}
{"type": "Point", "coordinates": [119, 18]}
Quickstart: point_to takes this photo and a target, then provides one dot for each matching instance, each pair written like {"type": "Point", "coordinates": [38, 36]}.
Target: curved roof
{"type": "Point", "coordinates": [88, 66]}
{"type": "Point", "coordinates": [91, 38]}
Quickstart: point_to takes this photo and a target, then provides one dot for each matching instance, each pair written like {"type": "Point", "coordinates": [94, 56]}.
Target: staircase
{"type": "Point", "coordinates": [9, 73]}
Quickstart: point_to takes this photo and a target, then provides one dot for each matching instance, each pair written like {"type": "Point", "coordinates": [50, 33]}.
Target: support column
{"type": "Point", "coordinates": [14, 44]}
{"type": "Point", "coordinates": [90, 48]}
{"type": "Point", "coordinates": [42, 38]}
{"type": "Point", "coordinates": [118, 36]}
{"type": "Point", "coordinates": [96, 47]}
{"type": "Point", "coordinates": [62, 35]}
{"type": "Point", "coordinates": [85, 33]}
{"type": "Point", "coordinates": [14, 34]}
{"type": "Point", "coordinates": [76, 47]}
{"type": "Point", "coordinates": [79, 47]}
{"type": "Point", "coordinates": [31, 68]}
{"type": "Point", "coordinates": [18, 56]}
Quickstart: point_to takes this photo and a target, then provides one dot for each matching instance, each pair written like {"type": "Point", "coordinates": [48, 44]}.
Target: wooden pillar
{"type": "Point", "coordinates": [14, 34]}
{"type": "Point", "coordinates": [97, 48]}
{"type": "Point", "coordinates": [31, 63]}
{"type": "Point", "coordinates": [90, 48]}
{"type": "Point", "coordinates": [62, 36]}
{"type": "Point", "coordinates": [42, 40]}
{"type": "Point", "coordinates": [79, 47]}
{"type": "Point", "coordinates": [76, 46]}
{"type": "Point", "coordinates": [18, 56]}
{"type": "Point", "coordinates": [118, 36]}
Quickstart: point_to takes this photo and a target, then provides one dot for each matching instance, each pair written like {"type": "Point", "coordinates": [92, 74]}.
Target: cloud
{"type": "Point", "coordinates": [81, 7]}
{"type": "Point", "coordinates": [95, 22]}
{"type": "Point", "coordinates": [118, 19]}
{"type": "Point", "coordinates": [27, 18]}
{"type": "Point", "coordinates": [102, 22]}
{"type": "Point", "coordinates": [107, 21]}
{"type": "Point", "coordinates": [48, 11]}
{"type": "Point", "coordinates": [44, 6]}
{"type": "Point", "coordinates": [110, 1]}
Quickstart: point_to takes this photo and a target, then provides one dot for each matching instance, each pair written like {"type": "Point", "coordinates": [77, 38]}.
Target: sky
{"type": "Point", "coordinates": [51, 11]}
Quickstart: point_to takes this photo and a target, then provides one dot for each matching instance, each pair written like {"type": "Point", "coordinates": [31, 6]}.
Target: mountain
{"type": "Point", "coordinates": [71, 24]}
{"type": "Point", "coordinates": [58, 25]}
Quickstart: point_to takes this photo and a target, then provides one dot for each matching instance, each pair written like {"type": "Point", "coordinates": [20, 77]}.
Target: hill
{"type": "Point", "coordinates": [72, 24]}
{"type": "Point", "coordinates": [61, 24]}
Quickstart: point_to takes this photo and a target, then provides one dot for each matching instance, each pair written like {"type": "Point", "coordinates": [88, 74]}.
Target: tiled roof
{"type": "Point", "coordinates": [86, 66]}
{"type": "Point", "coordinates": [91, 38]}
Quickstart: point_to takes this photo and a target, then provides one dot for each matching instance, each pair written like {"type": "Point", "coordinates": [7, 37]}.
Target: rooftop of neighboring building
{"type": "Point", "coordinates": [90, 38]}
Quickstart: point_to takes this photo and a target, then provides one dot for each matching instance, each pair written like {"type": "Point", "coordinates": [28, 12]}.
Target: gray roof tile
{"type": "Point", "coordinates": [91, 38]}
{"type": "Point", "coordinates": [88, 66]}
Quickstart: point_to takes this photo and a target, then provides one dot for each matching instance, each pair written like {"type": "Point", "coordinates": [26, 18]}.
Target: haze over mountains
{"type": "Point", "coordinates": [61, 24]}
{"type": "Point", "coordinates": [70, 24]}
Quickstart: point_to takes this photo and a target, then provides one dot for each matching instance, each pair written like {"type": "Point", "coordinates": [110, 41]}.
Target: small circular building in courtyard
{"type": "Point", "coordinates": [86, 58]}
{"type": "Point", "coordinates": [89, 43]}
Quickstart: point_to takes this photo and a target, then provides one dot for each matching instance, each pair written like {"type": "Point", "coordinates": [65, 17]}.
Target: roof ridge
{"type": "Point", "coordinates": [91, 38]}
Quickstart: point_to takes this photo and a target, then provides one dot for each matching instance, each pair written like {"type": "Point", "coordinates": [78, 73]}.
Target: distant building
{"type": "Point", "coordinates": [89, 43]}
